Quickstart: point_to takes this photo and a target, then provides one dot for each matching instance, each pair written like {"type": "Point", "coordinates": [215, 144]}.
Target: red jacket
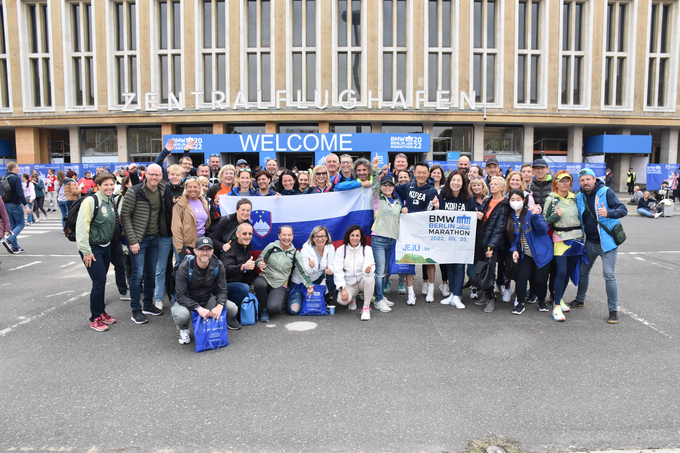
{"type": "Point", "coordinates": [87, 184]}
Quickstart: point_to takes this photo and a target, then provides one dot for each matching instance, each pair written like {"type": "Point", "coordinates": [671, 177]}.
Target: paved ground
{"type": "Point", "coordinates": [425, 378]}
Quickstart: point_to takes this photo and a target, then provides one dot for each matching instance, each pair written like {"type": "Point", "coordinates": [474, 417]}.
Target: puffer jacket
{"type": "Point", "coordinates": [184, 230]}
{"type": "Point", "coordinates": [494, 226]}
{"type": "Point", "coordinates": [568, 226]}
{"type": "Point", "coordinates": [350, 264]}
{"type": "Point", "coordinates": [135, 214]}
{"type": "Point", "coordinates": [541, 189]}
{"type": "Point", "coordinates": [319, 269]}
{"type": "Point", "coordinates": [280, 263]}
{"type": "Point", "coordinates": [386, 223]}
{"type": "Point", "coordinates": [535, 231]}
{"type": "Point", "coordinates": [71, 189]}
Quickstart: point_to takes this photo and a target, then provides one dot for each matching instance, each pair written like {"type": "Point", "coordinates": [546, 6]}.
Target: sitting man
{"type": "Point", "coordinates": [647, 207]}
{"type": "Point", "coordinates": [239, 265]}
{"type": "Point", "coordinates": [201, 289]}
{"type": "Point", "coordinates": [636, 196]}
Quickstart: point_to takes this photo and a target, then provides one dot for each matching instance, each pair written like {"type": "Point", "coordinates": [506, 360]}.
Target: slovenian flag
{"type": "Point", "coordinates": [334, 210]}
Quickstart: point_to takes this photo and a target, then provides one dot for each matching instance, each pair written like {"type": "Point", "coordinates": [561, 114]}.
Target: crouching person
{"type": "Point", "coordinates": [201, 289]}
{"type": "Point", "coordinates": [240, 268]}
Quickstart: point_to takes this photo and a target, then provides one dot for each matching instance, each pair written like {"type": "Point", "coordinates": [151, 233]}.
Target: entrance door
{"type": "Point", "coordinates": [253, 159]}
{"type": "Point", "coordinates": [300, 160]}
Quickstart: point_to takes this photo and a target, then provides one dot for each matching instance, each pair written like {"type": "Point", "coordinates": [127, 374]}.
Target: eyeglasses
{"type": "Point", "coordinates": [191, 178]}
{"type": "Point", "coordinates": [582, 172]}
{"type": "Point", "coordinates": [157, 175]}
{"type": "Point", "coordinates": [205, 250]}
{"type": "Point", "coordinates": [247, 234]}
{"type": "Point", "coordinates": [346, 163]}
{"type": "Point", "coordinates": [319, 236]}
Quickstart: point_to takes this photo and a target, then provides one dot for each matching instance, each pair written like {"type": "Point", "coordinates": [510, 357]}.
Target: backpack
{"type": "Point", "coordinates": [6, 190]}
{"type": "Point", "coordinates": [192, 268]}
{"type": "Point", "coordinates": [72, 216]}
{"type": "Point", "coordinates": [249, 309]}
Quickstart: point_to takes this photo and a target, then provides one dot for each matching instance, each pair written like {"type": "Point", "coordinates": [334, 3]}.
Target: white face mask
{"type": "Point", "coordinates": [516, 205]}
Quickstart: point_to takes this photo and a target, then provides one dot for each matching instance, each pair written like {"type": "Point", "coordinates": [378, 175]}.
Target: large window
{"type": "Point", "coordinates": [38, 66]}
{"type": "Point", "coordinates": [98, 143]}
{"type": "Point", "coordinates": [395, 36]}
{"type": "Point", "coordinates": [573, 38]}
{"type": "Point", "coordinates": [169, 22]}
{"type": "Point", "coordinates": [79, 55]}
{"type": "Point", "coordinates": [124, 48]}
{"type": "Point", "coordinates": [504, 142]}
{"type": "Point", "coordinates": [659, 77]}
{"type": "Point", "coordinates": [448, 138]}
{"type": "Point", "coordinates": [249, 128]}
{"type": "Point", "coordinates": [258, 79]}
{"type": "Point", "coordinates": [441, 65]}
{"type": "Point", "coordinates": [347, 128]}
{"type": "Point", "coordinates": [530, 82]}
{"type": "Point", "coordinates": [214, 42]}
{"type": "Point", "coordinates": [144, 143]}
{"type": "Point", "coordinates": [4, 64]}
{"type": "Point", "coordinates": [619, 44]}
{"type": "Point", "coordinates": [349, 41]}
{"type": "Point", "coordinates": [302, 57]}
{"type": "Point", "coordinates": [485, 51]}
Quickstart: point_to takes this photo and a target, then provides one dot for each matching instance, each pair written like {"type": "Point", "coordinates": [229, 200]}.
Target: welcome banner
{"type": "Point", "coordinates": [437, 237]}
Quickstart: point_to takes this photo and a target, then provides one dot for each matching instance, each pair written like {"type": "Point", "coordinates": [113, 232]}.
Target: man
{"type": "Point", "coordinates": [419, 195]}
{"type": "Point", "coordinates": [630, 181]}
{"type": "Point", "coordinates": [463, 164]}
{"type": "Point", "coordinates": [400, 162]}
{"type": "Point", "coordinates": [636, 196]}
{"type": "Point", "coordinates": [143, 216]}
{"type": "Point", "coordinates": [272, 166]}
{"type": "Point", "coordinates": [203, 170]}
{"type": "Point", "coordinates": [86, 183]}
{"type": "Point", "coordinates": [204, 294]}
{"type": "Point", "coordinates": [332, 165]}
{"type": "Point", "coordinates": [215, 165]}
{"type": "Point", "coordinates": [493, 168]}
{"type": "Point", "coordinates": [609, 178]}
{"type": "Point", "coordinates": [597, 206]}
{"type": "Point", "coordinates": [241, 163]}
{"type": "Point", "coordinates": [541, 185]}
{"type": "Point", "coordinates": [360, 178]}
{"type": "Point", "coordinates": [527, 175]}
{"type": "Point", "coordinates": [346, 164]}
{"type": "Point", "coordinates": [51, 190]}
{"type": "Point", "coordinates": [648, 207]}
{"type": "Point", "coordinates": [15, 208]}
{"type": "Point", "coordinates": [187, 164]}
{"type": "Point", "coordinates": [239, 267]}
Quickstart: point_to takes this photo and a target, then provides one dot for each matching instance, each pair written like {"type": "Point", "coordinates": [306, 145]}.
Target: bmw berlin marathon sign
{"type": "Point", "coordinates": [437, 237]}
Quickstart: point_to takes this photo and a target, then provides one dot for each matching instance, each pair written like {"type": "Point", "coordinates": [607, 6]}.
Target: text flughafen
{"type": "Point", "coordinates": [346, 100]}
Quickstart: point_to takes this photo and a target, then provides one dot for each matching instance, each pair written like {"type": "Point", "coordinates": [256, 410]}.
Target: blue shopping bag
{"type": "Point", "coordinates": [314, 305]}
{"type": "Point", "coordinates": [210, 333]}
{"type": "Point", "coordinates": [249, 308]}
{"type": "Point", "coordinates": [396, 268]}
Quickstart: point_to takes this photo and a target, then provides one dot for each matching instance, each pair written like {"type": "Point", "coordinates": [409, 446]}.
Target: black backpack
{"type": "Point", "coordinates": [6, 191]}
{"type": "Point", "coordinates": [72, 217]}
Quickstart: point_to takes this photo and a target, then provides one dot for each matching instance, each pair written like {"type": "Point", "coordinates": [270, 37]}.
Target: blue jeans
{"type": "Point", "coordinates": [645, 212]}
{"type": "Point", "coordinates": [63, 207]}
{"type": "Point", "coordinates": [456, 277]}
{"type": "Point", "coordinates": [144, 265]}
{"type": "Point", "coordinates": [594, 250]}
{"type": "Point", "coordinates": [30, 218]}
{"type": "Point", "coordinates": [381, 253]}
{"type": "Point", "coordinates": [164, 249]}
{"type": "Point", "coordinates": [97, 271]}
{"type": "Point", "coordinates": [296, 298]}
{"type": "Point", "coordinates": [237, 292]}
{"type": "Point", "coordinates": [15, 212]}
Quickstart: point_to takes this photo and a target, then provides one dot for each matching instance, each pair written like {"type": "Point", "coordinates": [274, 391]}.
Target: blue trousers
{"type": "Point", "coordinates": [594, 250]}
{"type": "Point", "coordinates": [97, 271]}
{"type": "Point", "coordinates": [144, 265]}
{"type": "Point", "coordinates": [164, 249]}
{"type": "Point", "coordinates": [17, 222]}
{"type": "Point", "coordinates": [381, 253]}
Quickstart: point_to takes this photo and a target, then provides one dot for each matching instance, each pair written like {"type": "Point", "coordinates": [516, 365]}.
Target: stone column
{"type": "Point", "coordinates": [621, 174]}
{"type": "Point", "coordinates": [122, 131]}
{"type": "Point", "coordinates": [575, 144]}
{"type": "Point", "coordinates": [168, 129]}
{"type": "Point", "coordinates": [376, 128]}
{"type": "Point", "coordinates": [28, 145]}
{"type": "Point", "coordinates": [324, 127]}
{"type": "Point", "coordinates": [427, 129]}
{"type": "Point", "coordinates": [271, 127]}
{"type": "Point", "coordinates": [528, 153]}
{"type": "Point", "coordinates": [478, 142]}
{"type": "Point", "coordinates": [669, 146]}
{"type": "Point", "coordinates": [74, 144]}
{"type": "Point", "coordinates": [219, 128]}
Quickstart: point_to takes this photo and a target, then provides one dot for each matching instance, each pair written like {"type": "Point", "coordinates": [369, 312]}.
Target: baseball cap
{"type": "Point", "coordinates": [560, 177]}
{"type": "Point", "coordinates": [241, 162]}
{"type": "Point", "coordinates": [204, 242]}
{"type": "Point", "coordinates": [539, 163]}
{"type": "Point", "coordinates": [586, 171]}
{"type": "Point", "coordinates": [386, 179]}
{"type": "Point", "coordinates": [492, 160]}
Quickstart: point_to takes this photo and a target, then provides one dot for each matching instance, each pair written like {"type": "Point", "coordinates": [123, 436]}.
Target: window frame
{"type": "Point", "coordinates": [440, 50]}
{"type": "Point", "coordinates": [28, 101]}
{"type": "Point", "coordinates": [498, 51]}
{"type": "Point", "coordinates": [214, 51]}
{"type": "Point", "coordinates": [586, 54]}
{"type": "Point", "coordinates": [674, 49]}
{"type": "Point", "coordinates": [71, 55]}
{"type": "Point", "coordinates": [349, 48]}
{"type": "Point", "coordinates": [628, 88]}
{"type": "Point", "coordinates": [113, 54]}
{"type": "Point", "coordinates": [395, 50]}
{"type": "Point", "coordinates": [303, 102]}
{"type": "Point", "coordinates": [5, 57]}
{"type": "Point", "coordinates": [541, 52]}
{"type": "Point", "coordinates": [156, 52]}
{"type": "Point", "coordinates": [245, 50]}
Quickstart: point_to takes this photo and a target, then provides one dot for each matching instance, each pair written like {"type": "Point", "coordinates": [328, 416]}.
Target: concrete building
{"type": "Point", "coordinates": [104, 80]}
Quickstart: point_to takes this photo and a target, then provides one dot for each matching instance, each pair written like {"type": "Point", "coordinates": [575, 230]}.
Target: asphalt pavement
{"type": "Point", "coordinates": [426, 378]}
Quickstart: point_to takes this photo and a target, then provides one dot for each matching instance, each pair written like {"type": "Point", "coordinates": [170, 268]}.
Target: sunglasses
{"type": "Point", "coordinates": [244, 169]}
{"type": "Point", "coordinates": [214, 155]}
{"type": "Point", "coordinates": [322, 174]}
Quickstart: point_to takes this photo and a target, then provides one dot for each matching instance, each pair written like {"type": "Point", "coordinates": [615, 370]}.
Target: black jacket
{"type": "Point", "coordinates": [223, 232]}
{"type": "Point", "coordinates": [233, 259]}
{"type": "Point", "coordinates": [494, 227]}
{"type": "Point", "coordinates": [203, 285]}
{"type": "Point", "coordinates": [540, 190]}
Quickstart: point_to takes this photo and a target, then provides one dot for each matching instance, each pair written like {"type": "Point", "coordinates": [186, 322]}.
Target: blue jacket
{"type": "Point", "coordinates": [415, 198]}
{"type": "Point", "coordinates": [601, 194]}
{"type": "Point", "coordinates": [15, 182]}
{"type": "Point", "coordinates": [536, 233]}
{"type": "Point", "coordinates": [235, 192]}
{"type": "Point", "coordinates": [39, 189]}
{"type": "Point", "coordinates": [348, 184]}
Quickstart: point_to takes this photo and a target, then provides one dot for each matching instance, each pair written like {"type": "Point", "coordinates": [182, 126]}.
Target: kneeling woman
{"type": "Point", "coordinates": [354, 270]}
{"type": "Point", "coordinates": [531, 246]}
{"type": "Point", "coordinates": [276, 263]}
{"type": "Point", "coordinates": [318, 254]}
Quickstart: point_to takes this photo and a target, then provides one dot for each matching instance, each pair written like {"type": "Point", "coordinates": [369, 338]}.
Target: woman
{"type": "Point", "coordinates": [385, 230]}
{"type": "Point", "coordinates": [224, 232]}
{"type": "Point", "coordinates": [354, 270]}
{"type": "Point", "coordinates": [321, 184]}
{"type": "Point", "coordinates": [531, 247]}
{"type": "Point", "coordinates": [674, 183]}
{"type": "Point", "coordinates": [205, 185]}
{"type": "Point", "coordinates": [264, 179]}
{"type": "Point", "coordinates": [478, 191]}
{"type": "Point", "coordinates": [516, 181]}
{"type": "Point", "coordinates": [494, 217]}
{"type": "Point", "coordinates": [454, 196]}
{"type": "Point", "coordinates": [39, 186]}
{"type": "Point", "coordinates": [437, 175]}
{"type": "Point", "coordinates": [561, 212]}
{"type": "Point", "coordinates": [403, 177]}
{"type": "Point", "coordinates": [93, 236]}
{"type": "Point", "coordinates": [226, 176]}
{"type": "Point", "coordinates": [190, 218]}
{"type": "Point", "coordinates": [86, 183]}
{"type": "Point", "coordinates": [303, 181]}
{"type": "Point", "coordinates": [29, 194]}
{"type": "Point", "coordinates": [276, 263]}
{"type": "Point", "coordinates": [126, 183]}
{"type": "Point", "coordinates": [287, 184]}
{"type": "Point", "coordinates": [245, 182]}
{"type": "Point", "coordinates": [318, 254]}
{"type": "Point", "coordinates": [475, 172]}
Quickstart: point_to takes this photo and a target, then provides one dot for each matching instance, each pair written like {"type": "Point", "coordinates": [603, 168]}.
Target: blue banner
{"type": "Point", "coordinates": [79, 168]}
{"type": "Point", "coordinates": [658, 173]}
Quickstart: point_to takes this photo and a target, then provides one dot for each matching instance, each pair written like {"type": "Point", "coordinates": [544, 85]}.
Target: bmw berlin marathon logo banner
{"type": "Point", "coordinates": [437, 237]}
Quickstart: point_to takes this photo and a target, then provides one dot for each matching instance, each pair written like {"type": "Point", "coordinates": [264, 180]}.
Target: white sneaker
{"type": "Point", "coordinates": [382, 306]}
{"type": "Point", "coordinates": [456, 302]}
{"type": "Point", "coordinates": [184, 337]}
{"type": "Point", "coordinates": [365, 314]}
{"type": "Point", "coordinates": [445, 290]}
{"type": "Point", "coordinates": [423, 290]}
{"type": "Point", "coordinates": [352, 305]}
{"type": "Point", "coordinates": [473, 293]}
{"type": "Point", "coordinates": [430, 293]}
{"type": "Point", "coordinates": [387, 302]}
{"type": "Point", "coordinates": [657, 215]}
{"type": "Point", "coordinates": [446, 301]}
{"type": "Point", "coordinates": [158, 304]}
{"type": "Point", "coordinates": [507, 294]}
{"type": "Point", "coordinates": [411, 298]}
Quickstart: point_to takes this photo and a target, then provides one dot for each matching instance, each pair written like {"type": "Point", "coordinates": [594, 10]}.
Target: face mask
{"type": "Point", "coordinates": [516, 205]}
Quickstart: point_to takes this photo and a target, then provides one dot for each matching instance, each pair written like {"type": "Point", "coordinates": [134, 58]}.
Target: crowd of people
{"type": "Point", "coordinates": [163, 231]}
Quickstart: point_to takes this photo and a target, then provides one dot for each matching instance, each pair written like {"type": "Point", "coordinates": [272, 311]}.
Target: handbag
{"type": "Point", "coordinates": [314, 305]}
{"type": "Point", "coordinates": [210, 333]}
{"type": "Point", "coordinates": [483, 276]}
{"type": "Point", "coordinates": [248, 311]}
{"type": "Point", "coordinates": [511, 268]}
{"type": "Point", "coordinates": [617, 232]}
{"type": "Point", "coordinates": [398, 269]}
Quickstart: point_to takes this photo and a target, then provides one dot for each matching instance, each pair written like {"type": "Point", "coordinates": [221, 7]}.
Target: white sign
{"type": "Point", "coordinates": [437, 237]}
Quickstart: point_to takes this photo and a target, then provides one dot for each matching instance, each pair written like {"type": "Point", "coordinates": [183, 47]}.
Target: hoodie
{"type": "Point", "coordinates": [415, 198]}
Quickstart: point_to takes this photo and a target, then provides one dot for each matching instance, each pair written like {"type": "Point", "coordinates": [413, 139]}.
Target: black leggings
{"type": "Point", "coordinates": [273, 299]}
{"type": "Point", "coordinates": [442, 269]}
{"type": "Point", "coordinates": [38, 206]}
{"type": "Point", "coordinates": [538, 278]}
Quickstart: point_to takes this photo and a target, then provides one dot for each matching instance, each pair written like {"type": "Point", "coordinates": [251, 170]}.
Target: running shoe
{"type": "Point", "coordinates": [366, 314]}
{"type": "Point", "coordinates": [99, 325]}
{"type": "Point", "coordinates": [557, 314]}
{"type": "Point", "coordinates": [445, 290]}
{"type": "Point", "coordinates": [401, 288]}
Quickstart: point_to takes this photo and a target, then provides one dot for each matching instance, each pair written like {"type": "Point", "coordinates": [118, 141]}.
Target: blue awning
{"type": "Point", "coordinates": [618, 144]}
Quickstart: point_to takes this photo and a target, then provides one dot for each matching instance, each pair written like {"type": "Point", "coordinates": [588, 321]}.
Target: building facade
{"type": "Point", "coordinates": [104, 80]}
